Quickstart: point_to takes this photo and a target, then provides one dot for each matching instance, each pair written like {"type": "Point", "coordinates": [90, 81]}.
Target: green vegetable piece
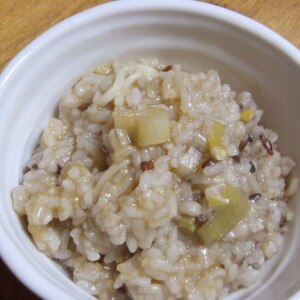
{"type": "Point", "coordinates": [189, 162]}
{"type": "Point", "coordinates": [233, 210]}
{"type": "Point", "coordinates": [216, 203]}
{"type": "Point", "coordinates": [229, 194]}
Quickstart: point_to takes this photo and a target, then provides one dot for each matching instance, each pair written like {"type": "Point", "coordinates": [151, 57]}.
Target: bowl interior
{"type": "Point", "coordinates": [197, 36]}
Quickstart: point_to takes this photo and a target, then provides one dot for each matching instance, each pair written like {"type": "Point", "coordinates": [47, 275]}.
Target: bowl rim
{"type": "Point", "coordinates": [8, 250]}
{"type": "Point", "coordinates": [222, 13]}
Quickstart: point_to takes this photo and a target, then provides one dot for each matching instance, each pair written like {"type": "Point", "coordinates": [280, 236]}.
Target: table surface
{"type": "Point", "coordinates": [22, 21]}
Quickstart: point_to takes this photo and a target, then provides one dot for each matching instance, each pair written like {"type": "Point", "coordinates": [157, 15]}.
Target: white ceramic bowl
{"type": "Point", "coordinates": [199, 36]}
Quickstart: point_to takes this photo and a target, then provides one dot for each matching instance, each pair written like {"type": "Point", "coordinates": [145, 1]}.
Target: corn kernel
{"type": "Point", "coordinates": [103, 69]}
{"type": "Point", "coordinates": [247, 115]}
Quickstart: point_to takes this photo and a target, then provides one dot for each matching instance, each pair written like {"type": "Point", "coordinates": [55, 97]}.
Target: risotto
{"type": "Point", "coordinates": [156, 183]}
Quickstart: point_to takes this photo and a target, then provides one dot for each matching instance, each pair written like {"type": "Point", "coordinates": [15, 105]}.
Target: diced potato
{"type": "Point", "coordinates": [216, 137]}
{"type": "Point", "coordinates": [226, 216]}
{"type": "Point", "coordinates": [247, 115]}
{"type": "Point", "coordinates": [186, 223]}
{"type": "Point", "coordinates": [153, 127]}
{"type": "Point", "coordinates": [150, 126]}
{"type": "Point", "coordinates": [127, 121]}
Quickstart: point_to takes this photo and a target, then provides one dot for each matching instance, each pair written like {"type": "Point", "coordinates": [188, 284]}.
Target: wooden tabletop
{"type": "Point", "coordinates": [21, 21]}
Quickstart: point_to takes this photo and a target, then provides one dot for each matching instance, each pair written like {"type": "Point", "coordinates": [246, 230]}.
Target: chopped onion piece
{"type": "Point", "coordinates": [227, 215]}
{"type": "Point", "coordinates": [189, 162]}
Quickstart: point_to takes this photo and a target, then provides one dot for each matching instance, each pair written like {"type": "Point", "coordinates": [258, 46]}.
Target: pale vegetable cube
{"type": "Point", "coordinates": [147, 127]}
{"type": "Point", "coordinates": [127, 121]}
{"type": "Point", "coordinates": [215, 202]}
{"type": "Point", "coordinates": [216, 137]}
{"type": "Point", "coordinates": [153, 127]}
{"type": "Point", "coordinates": [225, 217]}
{"type": "Point", "coordinates": [228, 194]}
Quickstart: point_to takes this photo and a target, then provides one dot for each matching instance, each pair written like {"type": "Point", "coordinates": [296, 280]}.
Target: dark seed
{"type": "Point", "coordinates": [255, 197]}
{"type": "Point", "coordinates": [123, 289]}
{"type": "Point", "coordinates": [147, 165]}
{"type": "Point", "coordinates": [101, 259]}
{"type": "Point", "coordinates": [200, 220]}
{"type": "Point", "coordinates": [267, 144]}
{"type": "Point", "coordinates": [283, 221]}
{"type": "Point", "coordinates": [209, 162]}
{"type": "Point", "coordinates": [167, 68]}
{"type": "Point", "coordinates": [287, 181]}
{"type": "Point", "coordinates": [198, 196]}
{"type": "Point", "coordinates": [242, 145]}
{"type": "Point", "coordinates": [34, 167]}
{"type": "Point", "coordinates": [58, 170]}
{"type": "Point", "coordinates": [105, 150]}
{"type": "Point", "coordinates": [26, 169]}
{"type": "Point", "coordinates": [252, 168]}
{"type": "Point", "coordinates": [236, 158]}
{"type": "Point", "coordinates": [83, 106]}
{"type": "Point", "coordinates": [241, 106]}
{"type": "Point", "coordinates": [250, 138]}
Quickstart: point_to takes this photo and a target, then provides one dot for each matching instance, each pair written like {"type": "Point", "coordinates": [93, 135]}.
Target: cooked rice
{"type": "Point", "coordinates": [91, 206]}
